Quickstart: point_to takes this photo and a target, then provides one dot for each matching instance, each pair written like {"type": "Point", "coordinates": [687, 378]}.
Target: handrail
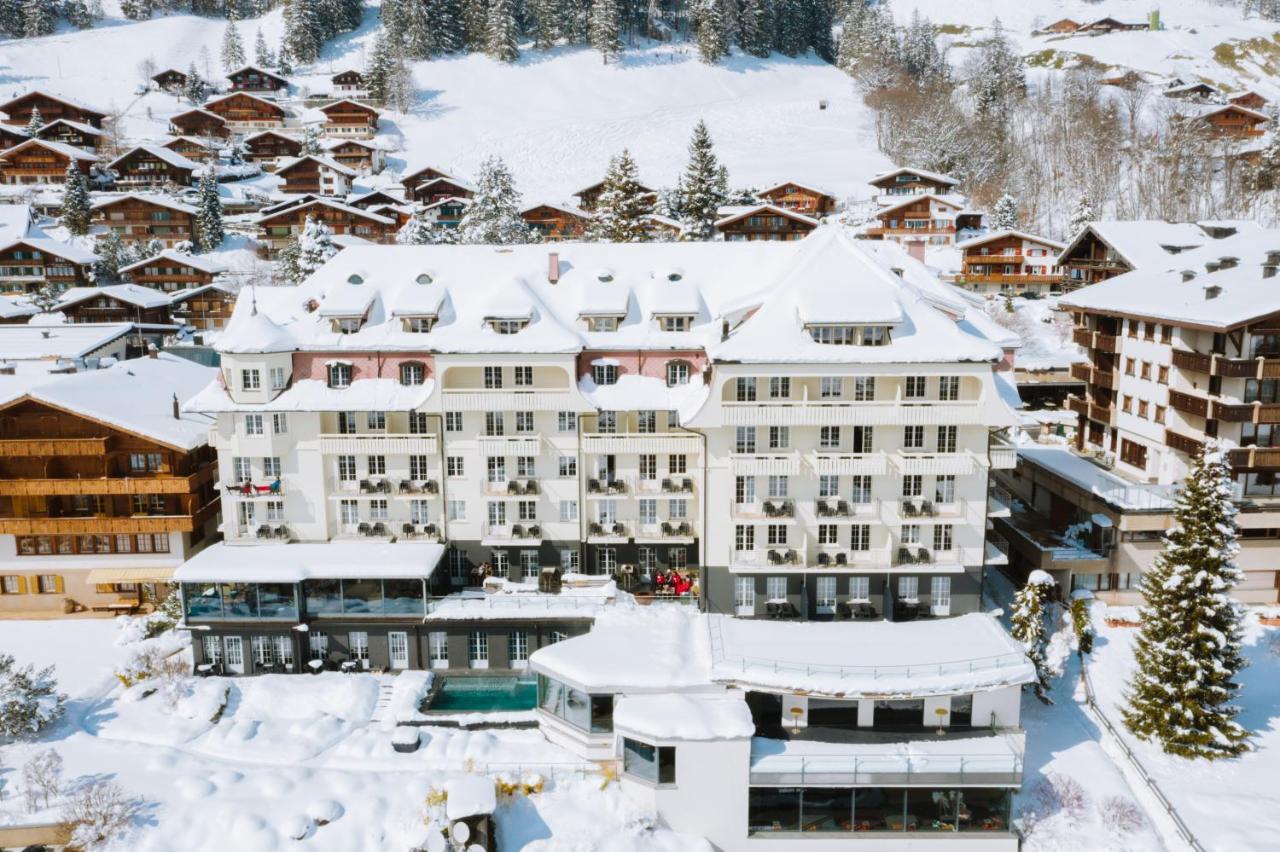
{"type": "Point", "coordinates": [889, 763]}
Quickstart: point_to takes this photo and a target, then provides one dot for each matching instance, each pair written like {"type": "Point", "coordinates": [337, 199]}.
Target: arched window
{"type": "Point", "coordinates": [678, 373]}
{"type": "Point", "coordinates": [413, 373]}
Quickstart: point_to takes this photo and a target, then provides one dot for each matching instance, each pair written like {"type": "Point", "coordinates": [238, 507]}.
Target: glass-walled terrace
{"type": "Point", "coordinates": [240, 600]}
{"type": "Point", "coordinates": [590, 713]}
{"type": "Point", "coordinates": [882, 810]}
{"type": "Point", "coordinates": [362, 597]}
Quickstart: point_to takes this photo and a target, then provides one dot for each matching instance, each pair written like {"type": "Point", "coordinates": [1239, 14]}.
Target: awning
{"type": "Point", "coordinates": [131, 575]}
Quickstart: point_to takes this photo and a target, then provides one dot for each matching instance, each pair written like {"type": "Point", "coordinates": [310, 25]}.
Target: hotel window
{"type": "Point", "coordinates": [1149, 331]}
{"type": "Point", "coordinates": [776, 535]}
{"type": "Point", "coordinates": [493, 378]}
{"type": "Point", "coordinates": [945, 489]}
{"type": "Point", "coordinates": [949, 388]}
{"type": "Point", "coordinates": [648, 466]}
{"type": "Point", "coordinates": [875, 336]}
{"type": "Point", "coordinates": [453, 421]}
{"type": "Point", "coordinates": [523, 377]}
{"type": "Point", "coordinates": [604, 374]}
{"type": "Point", "coordinates": [606, 560]}
{"type": "Point", "coordinates": [339, 375]}
{"type": "Point", "coordinates": [378, 510]}
{"type": "Point", "coordinates": [1130, 365]}
{"type": "Point", "coordinates": [744, 537]}
{"type": "Point", "coordinates": [862, 442]}
{"type": "Point", "coordinates": [779, 437]}
{"type": "Point", "coordinates": [940, 595]}
{"type": "Point", "coordinates": [494, 426]}
{"type": "Point", "coordinates": [744, 594]}
{"type": "Point", "coordinates": [1144, 371]}
{"type": "Point", "coordinates": [778, 486]}
{"type": "Point", "coordinates": [829, 438]}
{"type": "Point", "coordinates": [419, 512]}
{"type": "Point", "coordinates": [478, 649]}
{"type": "Point", "coordinates": [646, 422]}
{"type": "Point", "coordinates": [860, 537]}
{"type": "Point", "coordinates": [1159, 418]}
{"type": "Point", "coordinates": [568, 510]}
{"type": "Point", "coordinates": [1162, 374]}
{"type": "Point", "coordinates": [526, 466]}
{"type": "Point", "coordinates": [438, 649]}
{"type": "Point", "coordinates": [348, 512]}
{"type": "Point", "coordinates": [497, 518]}
{"type": "Point", "coordinates": [250, 380]}
{"type": "Point", "coordinates": [1127, 407]}
{"type": "Point", "coordinates": [648, 511]}
{"type": "Point", "coordinates": [277, 378]}
{"type": "Point", "coordinates": [859, 588]}
{"type": "Point", "coordinates": [346, 422]}
{"type": "Point", "coordinates": [745, 389]}
{"type": "Point", "coordinates": [678, 509]}
{"type": "Point", "coordinates": [1142, 409]}
{"type": "Point", "coordinates": [346, 468]}
{"type": "Point", "coordinates": [454, 466]}
{"type": "Point", "coordinates": [566, 421]}
{"type": "Point", "coordinates": [457, 510]}
{"type": "Point", "coordinates": [745, 439]}
{"type": "Point", "coordinates": [412, 374]}
{"type": "Point", "coordinates": [861, 491]}
{"type": "Point", "coordinates": [909, 588]}
{"type": "Point", "coordinates": [253, 424]}
{"type": "Point", "coordinates": [607, 422]}
{"type": "Point", "coordinates": [947, 439]}
{"type": "Point", "coordinates": [271, 467]}
{"type": "Point", "coordinates": [279, 423]}
{"type": "Point", "coordinates": [676, 323]}
{"type": "Point", "coordinates": [527, 510]}
{"type": "Point", "coordinates": [833, 335]}
{"type": "Point", "coordinates": [825, 596]}
{"type": "Point", "coordinates": [775, 588]}
{"type": "Point", "coordinates": [497, 467]}
{"type": "Point", "coordinates": [376, 421]}
{"type": "Point", "coordinates": [1133, 453]}
{"type": "Point", "coordinates": [779, 387]}
{"type": "Point", "coordinates": [831, 387]}
{"type": "Point", "coordinates": [518, 643]}
{"type": "Point", "coordinates": [942, 537]}
{"type": "Point", "coordinates": [828, 534]}
{"type": "Point", "coordinates": [377, 465]}
{"type": "Point", "coordinates": [418, 466]}
{"type": "Point", "coordinates": [568, 465]}
{"type": "Point", "coordinates": [744, 490]}
{"type": "Point", "coordinates": [677, 373]}
{"type": "Point", "coordinates": [524, 422]}
{"type": "Point", "coordinates": [1166, 334]}
{"type": "Point", "coordinates": [677, 464]}
{"type": "Point", "coordinates": [318, 644]}
{"type": "Point", "coordinates": [913, 437]}
{"type": "Point", "coordinates": [915, 387]}
{"type": "Point", "coordinates": [828, 485]}
{"type": "Point", "coordinates": [1132, 327]}
{"type": "Point", "coordinates": [864, 388]}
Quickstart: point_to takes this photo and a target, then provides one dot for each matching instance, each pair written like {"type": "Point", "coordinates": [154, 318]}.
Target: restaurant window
{"type": "Point", "coordinates": [654, 764]}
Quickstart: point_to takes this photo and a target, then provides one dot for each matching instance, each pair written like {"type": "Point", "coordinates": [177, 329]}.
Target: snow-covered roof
{"type": "Point", "coordinates": [349, 102]}
{"type": "Point", "coordinates": [57, 248]}
{"type": "Point", "coordinates": [242, 94]}
{"type": "Point", "coordinates": [199, 111]}
{"type": "Point", "coordinates": [15, 221]}
{"type": "Point", "coordinates": [173, 158]}
{"type": "Point", "coordinates": [1095, 479]}
{"type": "Point", "coordinates": [223, 562]}
{"type": "Point", "coordinates": [77, 340]}
{"type": "Point", "coordinates": [203, 262]}
{"type": "Point", "coordinates": [258, 70]}
{"type": "Point", "coordinates": [798, 184]}
{"type": "Point", "coordinates": [13, 307]}
{"type": "Point", "coordinates": [1142, 242]}
{"type": "Point", "coordinates": [452, 181]}
{"type": "Point", "coordinates": [135, 395]}
{"type": "Point", "coordinates": [1195, 110]}
{"type": "Point", "coordinates": [276, 210]}
{"type": "Point", "coordinates": [756, 209]}
{"type": "Point", "coordinates": [316, 395]}
{"type": "Point", "coordinates": [927, 175]}
{"type": "Point", "coordinates": [327, 163]}
{"type": "Point", "coordinates": [150, 198]}
{"type": "Point", "coordinates": [469, 795]}
{"type": "Point", "coordinates": [684, 716]}
{"type": "Point", "coordinates": [992, 236]}
{"type": "Point", "coordinates": [190, 140]}
{"type": "Point", "coordinates": [71, 152]}
{"type": "Point", "coordinates": [132, 294]}
{"type": "Point", "coordinates": [79, 126]}
{"type": "Point", "coordinates": [907, 201]}
{"type": "Point", "coordinates": [563, 207]}
{"type": "Point", "coordinates": [44, 94]}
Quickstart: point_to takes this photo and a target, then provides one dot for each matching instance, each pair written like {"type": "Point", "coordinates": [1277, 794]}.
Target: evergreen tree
{"type": "Point", "coordinates": [194, 87]}
{"type": "Point", "coordinates": [921, 57]}
{"type": "Point", "coordinates": [1028, 627]}
{"type": "Point", "coordinates": [755, 27]}
{"type": "Point", "coordinates": [232, 48]}
{"type": "Point", "coordinates": [420, 232]}
{"type": "Point", "coordinates": [136, 10]}
{"type": "Point", "coordinates": [284, 60]}
{"type": "Point", "coordinates": [500, 32]}
{"type": "Point", "coordinates": [1188, 647]}
{"type": "Point", "coordinates": [112, 254]}
{"type": "Point", "coordinates": [39, 18]}
{"type": "Point", "coordinates": [622, 205]}
{"type": "Point", "coordinates": [606, 25]}
{"type": "Point", "coordinates": [209, 231]}
{"type": "Point", "coordinates": [445, 21]}
{"type": "Point", "coordinates": [311, 141]}
{"type": "Point", "coordinates": [493, 217]}
{"type": "Point", "coordinates": [76, 204]}
{"type": "Point", "coordinates": [475, 24]}
{"type": "Point", "coordinates": [29, 699]}
{"type": "Point", "coordinates": [287, 262]}
{"type": "Point", "coordinates": [418, 40]}
{"type": "Point", "coordinates": [1082, 215]}
{"type": "Point", "coordinates": [1004, 217]}
{"type": "Point", "coordinates": [78, 14]}
{"type": "Point", "coordinates": [702, 187]}
{"type": "Point", "coordinates": [35, 122]}
{"type": "Point", "coordinates": [544, 23]}
{"type": "Point", "coordinates": [999, 78]}
{"type": "Point", "coordinates": [302, 30]}
{"type": "Point", "coordinates": [11, 22]}
{"type": "Point", "coordinates": [315, 247]}
{"type": "Point", "coordinates": [377, 74]}
{"type": "Point", "coordinates": [262, 55]}
{"type": "Point", "coordinates": [869, 47]}
{"type": "Point", "coordinates": [711, 31]}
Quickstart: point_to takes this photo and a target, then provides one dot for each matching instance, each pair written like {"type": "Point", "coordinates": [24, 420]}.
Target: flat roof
{"type": "Point", "coordinates": [329, 560]}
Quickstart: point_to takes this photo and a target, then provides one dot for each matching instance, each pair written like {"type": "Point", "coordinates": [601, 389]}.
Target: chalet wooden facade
{"type": "Point", "coordinates": [28, 264]}
{"type": "Point", "coordinates": [316, 176]}
{"type": "Point", "coordinates": [268, 148]}
{"type": "Point", "coordinates": [764, 222]}
{"type": "Point", "coordinates": [931, 218]}
{"type": "Point", "coordinates": [377, 198]}
{"type": "Point", "coordinates": [556, 222]}
{"type": "Point", "coordinates": [206, 308]}
{"type": "Point", "coordinates": [798, 198]}
{"type": "Point", "coordinates": [51, 108]}
{"type": "Point", "coordinates": [588, 197]}
{"type": "Point", "coordinates": [1249, 100]}
{"type": "Point", "coordinates": [116, 303]}
{"type": "Point", "coordinates": [349, 83]}
{"type": "Point", "coordinates": [447, 211]}
{"type": "Point", "coordinates": [10, 136]}
{"type": "Point", "coordinates": [1089, 259]}
{"type": "Point", "coordinates": [1062, 26]}
{"type": "Point", "coordinates": [661, 229]}
{"type": "Point", "coordinates": [192, 148]}
{"type": "Point", "coordinates": [170, 80]}
{"type": "Point", "coordinates": [171, 271]}
{"type": "Point", "coordinates": [278, 228]}
{"type": "Point", "coordinates": [1010, 262]}
{"type": "Point", "coordinates": [420, 176]}
{"type": "Point", "coordinates": [357, 155]}
{"type": "Point", "coordinates": [906, 181]}
{"type": "Point", "coordinates": [245, 111]}
{"type": "Point", "coordinates": [73, 486]}
{"type": "Point", "coordinates": [142, 218]}
{"type": "Point", "coordinates": [439, 189]}
{"type": "Point", "coordinates": [348, 119]}
{"type": "Point", "coordinates": [37, 161]}
{"type": "Point", "coordinates": [74, 133]}
{"type": "Point", "coordinates": [253, 79]}
{"type": "Point", "coordinates": [152, 167]}
{"type": "Point", "coordinates": [200, 123]}
{"type": "Point", "coordinates": [1103, 26]}
{"type": "Point", "coordinates": [1234, 121]}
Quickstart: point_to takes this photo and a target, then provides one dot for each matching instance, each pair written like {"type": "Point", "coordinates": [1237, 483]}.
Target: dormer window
{"type": "Point", "coordinates": [604, 374]}
{"type": "Point", "coordinates": [424, 278]}
{"type": "Point", "coordinates": [339, 375]}
{"type": "Point", "coordinates": [413, 373]}
{"type": "Point", "coordinates": [419, 325]}
{"type": "Point", "coordinates": [356, 280]}
{"type": "Point", "coordinates": [677, 373]}
{"type": "Point", "coordinates": [347, 325]}
{"type": "Point", "coordinates": [508, 326]}
{"type": "Point", "coordinates": [602, 323]}
{"type": "Point", "coordinates": [675, 322]}
{"type": "Point", "coordinates": [849, 335]}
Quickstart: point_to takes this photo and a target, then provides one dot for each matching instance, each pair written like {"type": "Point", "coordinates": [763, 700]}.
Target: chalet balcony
{"type": "Point", "coordinates": [668, 486]}
{"type": "Point", "coordinates": [666, 531]}
{"type": "Point", "coordinates": [1233, 368]}
{"type": "Point", "coordinates": [826, 463]}
{"type": "Point", "coordinates": [1091, 410]}
{"type": "Point", "coordinates": [509, 445]}
{"type": "Point", "coordinates": [1094, 375]}
{"type": "Point", "coordinates": [507, 400]}
{"type": "Point", "coordinates": [1255, 458]}
{"type": "Point", "coordinates": [105, 485]}
{"type": "Point", "coordinates": [1182, 443]}
{"type": "Point", "coordinates": [934, 464]}
{"type": "Point", "coordinates": [1009, 278]}
{"type": "Point", "coordinates": [514, 488]}
{"type": "Point", "coordinates": [1095, 340]}
{"type": "Point", "coordinates": [1078, 405]}
{"type": "Point", "coordinates": [773, 555]}
{"type": "Point", "coordinates": [765, 464]}
{"type": "Point", "coordinates": [105, 524]}
{"type": "Point", "coordinates": [54, 446]}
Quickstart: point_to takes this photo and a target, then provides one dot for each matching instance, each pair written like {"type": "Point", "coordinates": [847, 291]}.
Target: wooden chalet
{"type": "Point", "coordinates": [1248, 100]}
{"type": "Point", "coordinates": [207, 308]}
{"type": "Point", "coordinates": [421, 175]}
{"type": "Point", "coordinates": [268, 148]}
{"type": "Point", "coordinates": [10, 136]}
{"type": "Point", "coordinates": [447, 211]}
{"type": "Point", "coordinates": [1103, 250]}
{"type": "Point", "coordinates": [245, 111]}
{"type": "Point", "coordinates": [192, 148]}
{"type": "Point", "coordinates": [51, 108]}
{"type": "Point", "coordinates": [171, 271]}
{"type": "Point", "coordinates": [350, 83]}
{"type": "Point", "coordinates": [357, 155]}
{"type": "Point", "coordinates": [438, 189]}
{"type": "Point", "coordinates": [556, 222]}
{"type": "Point", "coordinates": [142, 218]}
{"type": "Point", "coordinates": [74, 133]}
{"type": "Point", "coordinates": [908, 181]}
{"type": "Point", "coordinates": [97, 510]}
{"type": "Point", "coordinates": [152, 167]}
{"type": "Point", "coordinates": [200, 123]}
{"type": "Point", "coordinates": [763, 222]}
{"type": "Point", "coordinates": [1112, 25]}
{"type": "Point", "coordinates": [38, 161]}
{"type": "Point", "coordinates": [1197, 91]}
{"type": "Point", "coordinates": [1232, 121]}
{"type": "Point", "coordinates": [170, 80]}
{"type": "Point", "coordinates": [1010, 262]}
{"type": "Point", "coordinates": [348, 119]}
{"type": "Point", "coordinates": [280, 226]}
{"type": "Point", "coordinates": [377, 198]}
{"type": "Point", "coordinates": [589, 196]}
{"type": "Point", "coordinates": [661, 229]}
{"type": "Point", "coordinates": [799, 198]}
{"type": "Point", "coordinates": [1062, 26]}
{"type": "Point", "coordinates": [29, 263]}
{"type": "Point", "coordinates": [315, 175]}
{"type": "Point", "coordinates": [116, 303]}
{"type": "Point", "coordinates": [932, 218]}
{"type": "Point", "coordinates": [253, 79]}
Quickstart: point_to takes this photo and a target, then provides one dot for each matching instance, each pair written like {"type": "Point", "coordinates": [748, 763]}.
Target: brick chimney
{"type": "Point", "coordinates": [915, 248]}
{"type": "Point", "coordinates": [553, 267]}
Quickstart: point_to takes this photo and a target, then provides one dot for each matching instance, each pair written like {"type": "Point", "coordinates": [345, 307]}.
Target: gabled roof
{"type": "Point", "coordinates": [71, 152]}
{"type": "Point", "coordinates": [354, 103]}
{"type": "Point", "coordinates": [57, 248]}
{"type": "Point", "coordinates": [359, 74]}
{"type": "Point", "coordinates": [1010, 232]}
{"type": "Point", "coordinates": [131, 294]}
{"type": "Point", "coordinates": [766, 208]}
{"type": "Point", "coordinates": [267, 103]}
{"type": "Point", "coordinates": [1206, 110]}
{"type": "Point", "coordinates": [330, 203]}
{"type": "Point", "coordinates": [1141, 243]}
{"type": "Point", "coordinates": [71, 340]}
{"type": "Point", "coordinates": [198, 111]}
{"type": "Point", "coordinates": [262, 71]}
{"type": "Point", "coordinates": [937, 177]}
{"type": "Point", "coordinates": [150, 198]}
{"type": "Point", "coordinates": [4, 107]}
{"type": "Point", "coordinates": [191, 140]}
{"type": "Point", "coordinates": [907, 201]}
{"type": "Point", "coordinates": [173, 158]}
{"type": "Point", "coordinates": [560, 206]}
{"type": "Point", "coordinates": [377, 196]}
{"type": "Point", "coordinates": [271, 132]}
{"type": "Point", "coordinates": [202, 262]}
{"type": "Point", "coordinates": [452, 181]}
{"type": "Point", "coordinates": [79, 126]}
{"type": "Point", "coordinates": [189, 292]}
{"type": "Point", "coordinates": [166, 71]}
{"type": "Point", "coordinates": [335, 144]}
{"type": "Point", "coordinates": [797, 183]}
{"type": "Point", "coordinates": [292, 162]}
{"type": "Point", "coordinates": [642, 187]}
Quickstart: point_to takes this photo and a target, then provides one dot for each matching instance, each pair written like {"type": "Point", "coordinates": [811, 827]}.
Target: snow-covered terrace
{"type": "Point", "coordinates": [1102, 483]}
{"type": "Point", "coordinates": [293, 563]}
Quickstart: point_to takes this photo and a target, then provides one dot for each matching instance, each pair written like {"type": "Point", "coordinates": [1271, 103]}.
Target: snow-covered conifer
{"type": "Point", "coordinates": [711, 31]}
{"type": "Point", "coordinates": [420, 232]}
{"type": "Point", "coordinates": [1004, 216]}
{"type": "Point", "coordinates": [262, 55]}
{"type": "Point", "coordinates": [544, 23]}
{"type": "Point", "coordinates": [194, 87]}
{"type": "Point", "coordinates": [311, 140]}
{"type": "Point", "coordinates": [35, 122]}
{"type": "Point", "coordinates": [1082, 215]}
{"type": "Point", "coordinates": [209, 230]}
{"type": "Point", "coordinates": [444, 17]}
{"type": "Point", "coordinates": [1188, 646]}
{"type": "Point", "coordinates": [47, 298]}
{"type": "Point", "coordinates": [622, 205]}
{"type": "Point", "coordinates": [39, 18]}
{"type": "Point", "coordinates": [76, 204]}
{"type": "Point", "coordinates": [315, 247]}
{"type": "Point", "coordinates": [232, 47]}
{"type": "Point", "coordinates": [29, 698]}
{"type": "Point", "coordinates": [302, 30]}
{"type": "Point", "coordinates": [702, 187]}
{"type": "Point", "coordinates": [1028, 627]}
{"type": "Point", "coordinates": [112, 255]}
{"type": "Point", "coordinates": [493, 217]}
{"type": "Point", "coordinates": [755, 27]}
{"type": "Point", "coordinates": [377, 74]}
{"type": "Point", "coordinates": [78, 14]}
{"type": "Point", "coordinates": [606, 27]}
{"type": "Point", "coordinates": [284, 59]}
{"type": "Point", "coordinates": [500, 31]}
{"type": "Point", "coordinates": [999, 77]}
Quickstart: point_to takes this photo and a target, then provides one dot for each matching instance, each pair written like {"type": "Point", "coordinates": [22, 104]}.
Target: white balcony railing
{"type": "Point", "coordinates": [507, 400]}
{"type": "Point", "coordinates": [901, 413]}
{"type": "Point", "coordinates": [378, 444]}
{"type": "Point", "coordinates": [511, 445]}
{"type": "Point", "coordinates": [765, 463]}
{"type": "Point", "coordinates": [830, 463]}
{"type": "Point", "coordinates": [934, 464]}
{"type": "Point", "coordinates": [623, 444]}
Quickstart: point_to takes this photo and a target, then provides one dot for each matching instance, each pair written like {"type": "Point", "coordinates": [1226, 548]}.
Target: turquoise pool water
{"type": "Point", "coordinates": [485, 695]}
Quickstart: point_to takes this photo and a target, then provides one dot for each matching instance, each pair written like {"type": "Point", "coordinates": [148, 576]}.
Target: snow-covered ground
{"type": "Point", "coordinates": [1045, 332]}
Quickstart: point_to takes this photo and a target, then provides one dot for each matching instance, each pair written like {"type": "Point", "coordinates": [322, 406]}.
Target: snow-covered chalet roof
{"type": "Point", "coordinates": [173, 158]}
{"type": "Point", "coordinates": [71, 152]}
{"type": "Point", "coordinates": [327, 163]}
{"type": "Point", "coordinates": [150, 198]}
{"type": "Point", "coordinates": [733, 214]}
{"type": "Point", "coordinates": [992, 236]}
{"type": "Point", "coordinates": [1141, 242]}
{"type": "Point", "coordinates": [57, 248]}
{"type": "Point", "coordinates": [78, 340]}
{"type": "Point", "coordinates": [927, 175]}
{"type": "Point", "coordinates": [131, 294]}
{"type": "Point", "coordinates": [203, 262]}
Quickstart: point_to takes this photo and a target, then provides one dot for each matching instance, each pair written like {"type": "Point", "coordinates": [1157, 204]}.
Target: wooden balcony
{"type": "Point", "coordinates": [1249, 412]}
{"type": "Point", "coordinates": [1011, 278]}
{"type": "Point", "coordinates": [1094, 340]}
{"type": "Point", "coordinates": [1181, 443]}
{"type": "Point", "coordinates": [1078, 405]}
{"type": "Point", "coordinates": [106, 485]}
{"type": "Point", "coordinates": [13, 447]}
{"type": "Point", "coordinates": [1232, 368]}
{"type": "Point", "coordinates": [1255, 458]}
{"type": "Point", "coordinates": [1094, 375]}
{"type": "Point", "coordinates": [1188, 404]}
{"type": "Point", "coordinates": [95, 524]}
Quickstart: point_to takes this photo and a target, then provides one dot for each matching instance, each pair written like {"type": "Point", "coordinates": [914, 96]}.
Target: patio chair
{"type": "Point", "coordinates": [517, 531]}
{"type": "Point", "coordinates": [384, 486]}
{"type": "Point", "coordinates": [619, 530]}
{"type": "Point", "coordinates": [430, 530]}
{"type": "Point", "coordinates": [406, 487]}
{"type": "Point", "coordinates": [908, 509]}
{"type": "Point", "coordinates": [668, 485]}
{"type": "Point", "coordinates": [844, 611]}
{"type": "Point", "coordinates": [430, 486]}
{"type": "Point", "coordinates": [408, 530]}
{"type": "Point", "coordinates": [687, 485]}
{"type": "Point", "coordinates": [617, 486]}
{"type": "Point", "coordinates": [904, 556]}
{"type": "Point", "coordinates": [264, 532]}
{"type": "Point", "coordinates": [770, 510]}
{"type": "Point", "coordinates": [842, 558]}
{"type": "Point", "coordinates": [596, 529]}
{"type": "Point", "coordinates": [788, 610]}
{"type": "Point", "coordinates": [513, 487]}
{"type": "Point", "coordinates": [366, 487]}
{"type": "Point", "coordinates": [362, 528]}
{"type": "Point", "coordinates": [685, 528]}
{"type": "Point", "coordinates": [282, 532]}
{"type": "Point", "coordinates": [535, 531]}
{"type": "Point", "coordinates": [793, 558]}
{"type": "Point", "coordinates": [593, 486]}
{"type": "Point", "coordinates": [775, 558]}
{"type": "Point", "coordinates": [924, 557]}
{"type": "Point", "coordinates": [531, 487]}
{"type": "Point", "coordinates": [864, 612]}
{"type": "Point", "coordinates": [668, 529]}
{"type": "Point", "coordinates": [379, 529]}
{"type": "Point", "coordinates": [926, 508]}
{"type": "Point", "coordinates": [824, 558]}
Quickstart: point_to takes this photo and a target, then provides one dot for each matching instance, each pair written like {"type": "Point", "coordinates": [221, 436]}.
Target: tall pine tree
{"type": "Point", "coordinates": [702, 187]}
{"type": "Point", "coordinates": [232, 48]}
{"type": "Point", "coordinates": [262, 55]}
{"type": "Point", "coordinates": [35, 122]}
{"type": "Point", "coordinates": [1028, 627]}
{"type": "Point", "coordinates": [303, 30]}
{"type": "Point", "coordinates": [622, 205]}
{"type": "Point", "coordinates": [1004, 216]}
{"type": "Point", "coordinates": [493, 217]}
{"type": "Point", "coordinates": [500, 32]}
{"type": "Point", "coordinates": [194, 87]}
{"type": "Point", "coordinates": [76, 204]}
{"type": "Point", "coordinates": [39, 18]}
{"type": "Point", "coordinates": [209, 231]}
{"type": "Point", "coordinates": [755, 27]}
{"type": "Point", "coordinates": [315, 247]}
{"type": "Point", "coordinates": [1188, 647]}
{"type": "Point", "coordinates": [606, 26]}
{"type": "Point", "coordinates": [711, 31]}
{"type": "Point", "coordinates": [1082, 215]}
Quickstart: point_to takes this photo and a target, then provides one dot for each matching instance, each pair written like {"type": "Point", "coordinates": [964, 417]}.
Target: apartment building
{"type": "Point", "coordinates": [1178, 353]}
{"type": "Point", "coordinates": [792, 430]}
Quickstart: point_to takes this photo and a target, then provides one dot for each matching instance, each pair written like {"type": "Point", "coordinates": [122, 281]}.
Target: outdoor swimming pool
{"type": "Point", "coordinates": [484, 695]}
